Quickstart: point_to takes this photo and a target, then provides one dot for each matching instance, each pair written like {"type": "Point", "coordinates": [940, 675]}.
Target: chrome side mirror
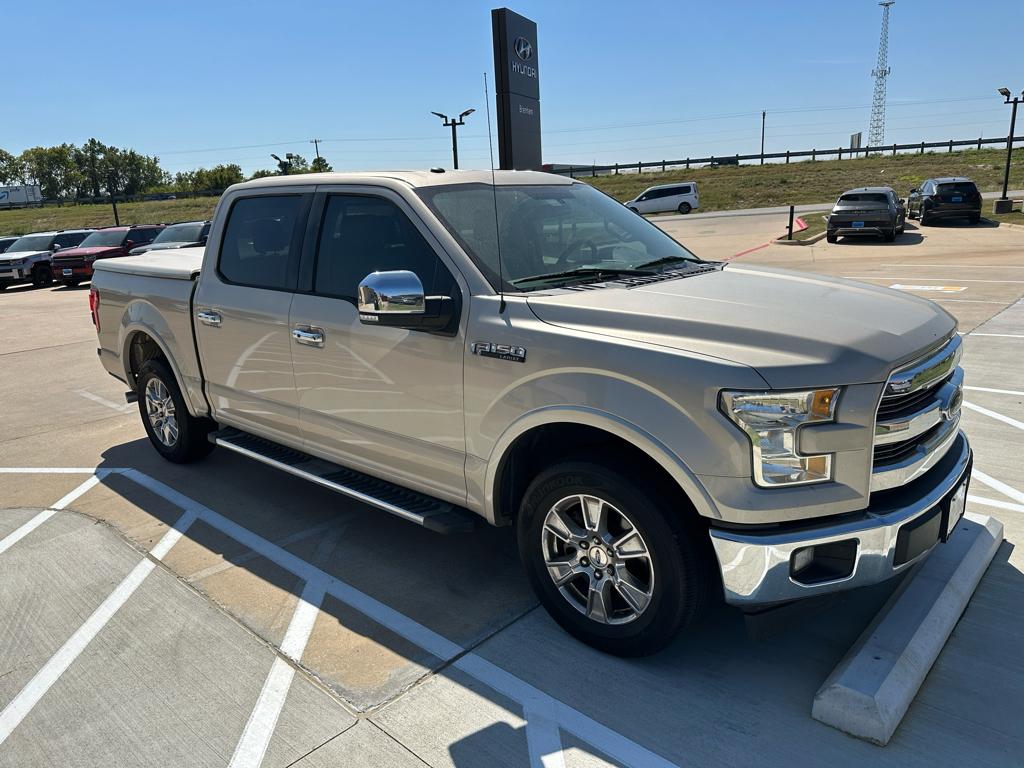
{"type": "Point", "coordinates": [396, 299]}
{"type": "Point", "coordinates": [391, 293]}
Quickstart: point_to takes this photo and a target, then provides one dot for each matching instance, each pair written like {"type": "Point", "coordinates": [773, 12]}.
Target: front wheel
{"type": "Point", "coordinates": [685, 208]}
{"type": "Point", "coordinates": [42, 276]}
{"type": "Point", "coordinates": [612, 561]}
{"type": "Point", "coordinates": [177, 435]}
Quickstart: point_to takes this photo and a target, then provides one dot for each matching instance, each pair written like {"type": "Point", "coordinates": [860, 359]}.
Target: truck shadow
{"type": "Point", "coordinates": [753, 679]}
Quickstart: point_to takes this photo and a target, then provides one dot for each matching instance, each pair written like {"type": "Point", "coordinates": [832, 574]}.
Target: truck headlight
{"type": "Point", "coordinates": [771, 420]}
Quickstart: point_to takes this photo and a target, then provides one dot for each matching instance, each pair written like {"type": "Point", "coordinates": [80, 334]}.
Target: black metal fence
{"type": "Point", "coordinates": [813, 154]}
{"type": "Point", "coordinates": [105, 199]}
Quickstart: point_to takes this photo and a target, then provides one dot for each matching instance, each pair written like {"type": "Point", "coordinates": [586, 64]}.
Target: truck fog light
{"type": "Point", "coordinates": [771, 421]}
{"type": "Point", "coordinates": [802, 558]}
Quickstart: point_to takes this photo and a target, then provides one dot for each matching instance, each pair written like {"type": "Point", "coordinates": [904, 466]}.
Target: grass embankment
{"type": "Point", "coordinates": [761, 186]}
{"type": "Point", "coordinates": [1016, 217]}
{"type": "Point", "coordinates": [23, 220]}
{"type": "Point", "coordinates": [723, 188]}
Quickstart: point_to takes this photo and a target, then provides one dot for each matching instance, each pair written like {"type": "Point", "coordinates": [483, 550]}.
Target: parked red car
{"type": "Point", "coordinates": [72, 266]}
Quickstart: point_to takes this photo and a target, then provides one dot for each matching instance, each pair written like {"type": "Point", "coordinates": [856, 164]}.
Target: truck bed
{"type": "Point", "coordinates": [177, 264]}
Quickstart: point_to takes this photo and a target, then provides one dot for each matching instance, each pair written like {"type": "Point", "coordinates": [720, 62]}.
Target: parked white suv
{"type": "Point", "coordinates": [681, 196]}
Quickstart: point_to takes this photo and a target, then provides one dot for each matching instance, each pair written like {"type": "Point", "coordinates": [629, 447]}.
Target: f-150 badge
{"type": "Point", "coordinates": [500, 351]}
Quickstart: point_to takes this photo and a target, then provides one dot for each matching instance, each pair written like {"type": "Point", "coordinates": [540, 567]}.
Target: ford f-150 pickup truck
{"type": "Point", "coordinates": [661, 431]}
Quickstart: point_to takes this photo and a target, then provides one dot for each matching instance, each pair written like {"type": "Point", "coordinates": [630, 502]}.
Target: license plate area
{"type": "Point", "coordinates": [858, 225]}
{"type": "Point", "coordinates": [953, 507]}
{"type": "Point", "coordinates": [957, 199]}
{"type": "Point", "coordinates": [66, 271]}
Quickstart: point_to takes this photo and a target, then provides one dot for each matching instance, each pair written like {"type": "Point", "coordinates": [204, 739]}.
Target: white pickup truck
{"type": "Point", "coordinates": [448, 347]}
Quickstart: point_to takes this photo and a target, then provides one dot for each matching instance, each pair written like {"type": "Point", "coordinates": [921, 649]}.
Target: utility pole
{"type": "Point", "coordinates": [113, 202]}
{"type": "Point", "coordinates": [762, 136]}
{"type": "Point", "coordinates": [1003, 204]}
{"type": "Point", "coordinates": [876, 129]}
{"type": "Point", "coordinates": [316, 146]}
{"type": "Point", "coordinates": [454, 123]}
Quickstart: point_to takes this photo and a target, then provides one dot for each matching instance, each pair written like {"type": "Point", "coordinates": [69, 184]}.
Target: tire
{"type": "Point", "coordinates": [674, 579]}
{"type": "Point", "coordinates": [975, 219]}
{"type": "Point", "coordinates": [911, 215]}
{"type": "Point", "coordinates": [831, 237]}
{"type": "Point", "coordinates": [42, 276]}
{"type": "Point", "coordinates": [684, 208]}
{"type": "Point", "coordinates": [925, 221]}
{"type": "Point", "coordinates": [72, 283]}
{"type": "Point", "coordinates": [889, 236]}
{"type": "Point", "coordinates": [901, 228]}
{"type": "Point", "coordinates": [182, 438]}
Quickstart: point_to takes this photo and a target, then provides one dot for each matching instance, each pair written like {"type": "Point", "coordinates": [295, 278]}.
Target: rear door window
{"type": "Point", "coordinates": [69, 239]}
{"type": "Point", "coordinates": [259, 248]}
{"type": "Point", "coordinates": [362, 234]}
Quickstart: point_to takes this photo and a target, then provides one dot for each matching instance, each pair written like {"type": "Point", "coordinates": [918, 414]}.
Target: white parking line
{"type": "Point", "coordinates": [610, 742]}
{"type": "Point", "coordinates": [999, 335]}
{"type": "Point", "coordinates": [967, 301]}
{"type": "Point", "coordinates": [960, 266]}
{"type": "Point", "coordinates": [543, 740]}
{"type": "Point", "coordinates": [119, 407]}
{"type": "Point", "coordinates": [995, 503]}
{"type": "Point", "coordinates": [14, 537]}
{"type": "Point", "coordinates": [931, 279]}
{"type": "Point", "coordinates": [996, 391]}
{"type": "Point", "coordinates": [51, 672]}
{"type": "Point", "coordinates": [998, 485]}
{"type": "Point", "coordinates": [994, 415]}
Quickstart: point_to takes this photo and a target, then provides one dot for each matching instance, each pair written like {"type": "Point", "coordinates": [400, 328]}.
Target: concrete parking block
{"type": "Point", "coordinates": [871, 688]}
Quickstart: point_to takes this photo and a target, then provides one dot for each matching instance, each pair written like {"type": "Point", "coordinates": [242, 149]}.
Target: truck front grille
{"type": "Point", "coordinates": [917, 416]}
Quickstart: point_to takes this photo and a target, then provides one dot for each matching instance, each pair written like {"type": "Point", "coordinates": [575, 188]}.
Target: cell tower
{"type": "Point", "coordinates": [876, 130]}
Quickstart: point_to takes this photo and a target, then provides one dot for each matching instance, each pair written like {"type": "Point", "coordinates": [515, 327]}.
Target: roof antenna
{"type": "Point", "coordinates": [494, 189]}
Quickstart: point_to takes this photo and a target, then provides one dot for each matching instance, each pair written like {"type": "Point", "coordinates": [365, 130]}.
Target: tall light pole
{"type": "Point", "coordinates": [460, 120]}
{"type": "Point", "coordinates": [763, 113]}
{"type": "Point", "coordinates": [1003, 205]}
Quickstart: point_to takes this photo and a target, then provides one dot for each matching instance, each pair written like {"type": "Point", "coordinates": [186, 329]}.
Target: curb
{"type": "Point", "coordinates": [870, 690]}
{"type": "Point", "coordinates": [809, 241]}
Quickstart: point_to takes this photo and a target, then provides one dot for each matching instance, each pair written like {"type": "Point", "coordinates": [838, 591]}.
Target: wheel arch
{"type": "Point", "coordinates": [550, 433]}
{"type": "Point", "coordinates": [141, 343]}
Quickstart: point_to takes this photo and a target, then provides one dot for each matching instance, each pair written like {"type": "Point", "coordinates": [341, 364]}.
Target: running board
{"type": "Point", "coordinates": [431, 513]}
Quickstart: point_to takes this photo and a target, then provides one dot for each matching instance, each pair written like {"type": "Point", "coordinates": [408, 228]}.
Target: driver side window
{"type": "Point", "coordinates": [361, 234]}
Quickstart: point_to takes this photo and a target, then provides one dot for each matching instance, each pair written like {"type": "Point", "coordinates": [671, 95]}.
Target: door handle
{"type": "Point", "coordinates": [209, 317]}
{"type": "Point", "coordinates": [309, 335]}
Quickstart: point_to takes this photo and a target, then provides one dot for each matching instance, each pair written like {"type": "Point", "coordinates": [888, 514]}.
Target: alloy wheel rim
{"type": "Point", "coordinates": [598, 559]}
{"type": "Point", "coordinates": [161, 413]}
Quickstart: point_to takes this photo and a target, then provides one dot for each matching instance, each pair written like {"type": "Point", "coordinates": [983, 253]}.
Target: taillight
{"type": "Point", "coordinates": [94, 307]}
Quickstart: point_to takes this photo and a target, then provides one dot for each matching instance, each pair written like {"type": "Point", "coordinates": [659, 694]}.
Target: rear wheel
{"type": "Point", "coordinates": [177, 435]}
{"type": "Point", "coordinates": [889, 235]}
{"type": "Point", "coordinates": [975, 218]}
{"type": "Point", "coordinates": [41, 276]}
{"type": "Point", "coordinates": [685, 208]}
{"type": "Point", "coordinates": [925, 221]}
{"type": "Point", "coordinates": [831, 237]}
{"type": "Point", "coordinates": [613, 563]}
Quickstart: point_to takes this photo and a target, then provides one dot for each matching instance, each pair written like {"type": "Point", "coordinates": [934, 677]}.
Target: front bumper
{"type": "Point", "coordinates": [13, 274]}
{"type": "Point", "coordinates": [756, 567]}
{"type": "Point", "coordinates": [68, 272]}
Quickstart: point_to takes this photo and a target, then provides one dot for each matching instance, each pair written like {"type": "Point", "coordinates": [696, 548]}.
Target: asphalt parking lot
{"type": "Point", "coordinates": [224, 614]}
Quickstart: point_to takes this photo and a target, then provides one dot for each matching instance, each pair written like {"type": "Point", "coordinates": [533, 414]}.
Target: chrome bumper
{"type": "Point", "coordinates": [755, 567]}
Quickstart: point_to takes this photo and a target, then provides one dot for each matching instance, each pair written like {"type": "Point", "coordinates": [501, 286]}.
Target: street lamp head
{"type": "Point", "coordinates": [443, 117]}
{"type": "Point", "coordinates": [275, 157]}
{"type": "Point", "coordinates": [1004, 92]}
{"type": "Point", "coordinates": [467, 113]}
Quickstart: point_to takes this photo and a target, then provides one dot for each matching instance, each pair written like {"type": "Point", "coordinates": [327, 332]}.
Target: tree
{"type": "Point", "coordinates": [262, 174]}
{"type": "Point", "coordinates": [11, 170]}
{"type": "Point", "coordinates": [320, 165]}
{"type": "Point", "coordinates": [299, 164]}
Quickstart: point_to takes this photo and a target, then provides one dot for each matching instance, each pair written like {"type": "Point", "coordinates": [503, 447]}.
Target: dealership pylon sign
{"type": "Point", "coordinates": [518, 90]}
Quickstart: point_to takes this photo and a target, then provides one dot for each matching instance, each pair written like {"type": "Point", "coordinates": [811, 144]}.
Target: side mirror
{"type": "Point", "coordinates": [913, 191]}
{"type": "Point", "coordinates": [396, 299]}
{"type": "Point", "coordinates": [129, 243]}
{"type": "Point", "coordinates": [57, 248]}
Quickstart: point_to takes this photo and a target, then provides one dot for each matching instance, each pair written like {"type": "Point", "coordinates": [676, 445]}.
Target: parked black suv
{"type": "Point", "coordinates": [867, 211]}
{"type": "Point", "coordinates": [945, 198]}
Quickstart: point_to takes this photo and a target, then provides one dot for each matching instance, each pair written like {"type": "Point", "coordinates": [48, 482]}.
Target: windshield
{"type": "Point", "coordinates": [180, 233]}
{"type": "Point", "coordinates": [957, 187]}
{"type": "Point", "coordinates": [32, 243]}
{"type": "Point", "coordinates": [864, 197]}
{"type": "Point", "coordinates": [103, 238]}
{"type": "Point", "coordinates": [551, 235]}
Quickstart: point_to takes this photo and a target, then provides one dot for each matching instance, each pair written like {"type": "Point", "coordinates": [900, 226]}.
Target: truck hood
{"type": "Point", "coordinates": [19, 255]}
{"type": "Point", "coordinates": [78, 253]}
{"type": "Point", "coordinates": [796, 330]}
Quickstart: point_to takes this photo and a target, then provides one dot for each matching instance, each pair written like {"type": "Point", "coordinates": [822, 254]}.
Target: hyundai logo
{"type": "Point", "coordinates": [523, 48]}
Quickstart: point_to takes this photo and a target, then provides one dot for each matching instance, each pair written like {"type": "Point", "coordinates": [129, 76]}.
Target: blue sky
{"type": "Point", "coordinates": [198, 83]}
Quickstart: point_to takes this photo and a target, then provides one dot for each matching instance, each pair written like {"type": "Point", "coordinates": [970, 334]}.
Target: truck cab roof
{"type": "Point", "coordinates": [437, 177]}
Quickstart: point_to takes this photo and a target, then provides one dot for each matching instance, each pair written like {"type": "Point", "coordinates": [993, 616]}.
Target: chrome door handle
{"type": "Point", "coordinates": [309, 335]}
{"type": "Point", "coordinates": [208, 317]}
